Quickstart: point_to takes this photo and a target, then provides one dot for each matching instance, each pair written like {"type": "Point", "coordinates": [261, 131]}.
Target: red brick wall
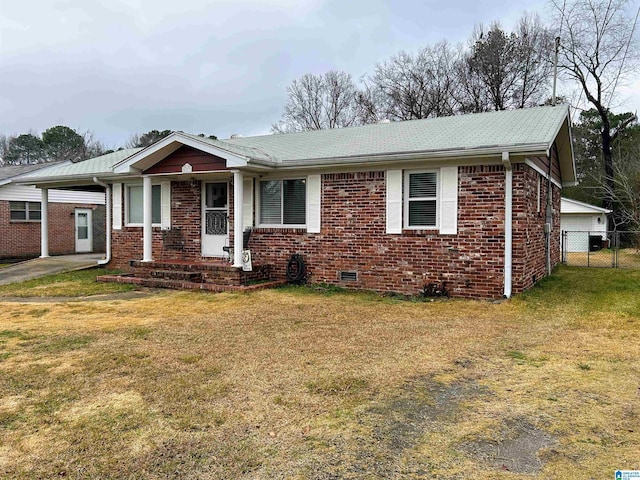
{"type": "Point", "coordinates": [127, 243]}
{"type": "Point", "coordinates": [353, 238]}
{"type": "Point", "coordinates": [22, 239]}
{"type": "Point", "coordinates": [529, 245]}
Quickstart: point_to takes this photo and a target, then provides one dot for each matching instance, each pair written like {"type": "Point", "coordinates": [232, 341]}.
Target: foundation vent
{"type": "Point", "coordinates": [348, 276]}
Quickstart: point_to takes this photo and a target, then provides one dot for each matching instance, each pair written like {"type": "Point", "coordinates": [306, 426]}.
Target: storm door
{"type": "Point", "coordinates": [84, 240]}
{"type": "Point", "coordinates": [215, 218]}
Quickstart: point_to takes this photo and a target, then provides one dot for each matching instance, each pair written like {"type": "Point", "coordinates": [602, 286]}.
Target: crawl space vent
{"type": "Point", "coordinates": [348, 276]}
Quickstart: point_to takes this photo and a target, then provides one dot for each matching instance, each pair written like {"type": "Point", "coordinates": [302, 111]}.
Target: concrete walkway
{"type": "Point", "coordinates": [39, 267]}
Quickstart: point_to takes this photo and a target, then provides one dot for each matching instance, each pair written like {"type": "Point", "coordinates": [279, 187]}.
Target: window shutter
{"type": "Point", "coordinates": [314, 195]}
{"type": "Point", "coordinates": [449, 200]}
{"type": "Point", "coordinates": [247, 203]}
{"type": "Point", "coordinates": [165, 205]}
{"type": "Point", "coordinates": [116, 195]}
{"type": "Point", "coordinates": [394, 201]}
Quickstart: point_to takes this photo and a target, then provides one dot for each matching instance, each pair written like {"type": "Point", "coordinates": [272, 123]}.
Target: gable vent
{"type": "Point", "coordinates": [348, 276]}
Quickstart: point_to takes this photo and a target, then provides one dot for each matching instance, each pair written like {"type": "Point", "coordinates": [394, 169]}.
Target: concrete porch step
{"type": "Point", "coordinates": [177, 275]}
{"type": "Point", "coordinates": [186, 285]}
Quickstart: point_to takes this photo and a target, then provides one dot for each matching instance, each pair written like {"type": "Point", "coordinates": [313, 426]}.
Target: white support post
{"type": "Point", "coordinates": [238, 195]}
{"type": "Point", "coordinates": [108, 222]}
{"type": "Point", "coordinates": [44, 224]}
{"type": "Point", "coordinates": [147, 202]}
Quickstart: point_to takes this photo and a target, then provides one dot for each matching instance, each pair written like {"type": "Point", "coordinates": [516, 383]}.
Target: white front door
{"type": "Point", "coordinates": [215, 218]}
{"type": "Point", "coordinates": [84, 234]}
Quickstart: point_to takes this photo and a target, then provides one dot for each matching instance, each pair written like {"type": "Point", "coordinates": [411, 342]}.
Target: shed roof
{"type": "Point", "coordinates": [568, 205]}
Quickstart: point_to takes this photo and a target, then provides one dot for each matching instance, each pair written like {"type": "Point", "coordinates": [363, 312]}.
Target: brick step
{"type": "Point", "coordinates": [182, 285]}
{"type": "Point", "coordinates": [183, 266]}
{"type": "Point", "coordinates": [177, 275]}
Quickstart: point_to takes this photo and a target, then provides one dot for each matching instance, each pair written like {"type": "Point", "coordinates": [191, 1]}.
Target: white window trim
{"type": "Point", "coordinates": [405, 200]}
{"type": "Point", "coordinates": [281, 225]}
{"type": "Point", "coordinates": [126, 205]}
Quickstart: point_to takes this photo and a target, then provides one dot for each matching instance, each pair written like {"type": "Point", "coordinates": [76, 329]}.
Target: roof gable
{"type": "Point", "coordinates": [188, 158]}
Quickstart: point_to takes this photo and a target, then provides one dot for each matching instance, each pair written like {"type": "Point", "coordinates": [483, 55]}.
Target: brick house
{"type": "Point", "coordinates": [76, 218]}
{"type": "Point", "coordinates": [471, 203]}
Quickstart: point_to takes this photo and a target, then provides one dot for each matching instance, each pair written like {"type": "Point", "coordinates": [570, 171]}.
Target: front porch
{"type": "Point", "coordinates": [212, 276]}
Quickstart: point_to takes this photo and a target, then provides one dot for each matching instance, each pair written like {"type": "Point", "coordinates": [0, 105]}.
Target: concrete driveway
{"type": "Point", "coordinates": [39, 267]}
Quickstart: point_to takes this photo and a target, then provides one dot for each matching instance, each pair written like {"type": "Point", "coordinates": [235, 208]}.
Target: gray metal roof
{"type": "Point", "coordinates": [10, 171]}
{"type": "Point", "coordinates": [509, 128]}
{"type": "Point", "coordinates": [523, 131]}
{"type": "Point", "coordinates": [93, 166]}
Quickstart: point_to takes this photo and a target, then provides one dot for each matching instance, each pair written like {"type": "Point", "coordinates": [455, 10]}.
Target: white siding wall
{"type": "Point", "coordinates": [588, 224]}
{"type": "Point", "coordinates": [26, 193]}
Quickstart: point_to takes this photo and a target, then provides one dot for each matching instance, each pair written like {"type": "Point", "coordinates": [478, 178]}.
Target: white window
{"type": "Point", "coordinates": [135, 214]}
{"type": "Point", "coordinates": [283, 202]}
{"type": "Point", "coordinates": [24, 211]}
{"type": "Point", "coordinates": [421, 199]}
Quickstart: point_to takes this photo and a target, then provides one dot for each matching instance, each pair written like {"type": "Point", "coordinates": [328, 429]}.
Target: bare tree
{"type": "Point", "coordinates": [410, 86]}
{"type": "Point", "coordinates": [533, 59]}
{"type": "Point", "coordinates": [599, 48]}
{"type": "Point", "coordinates": [504, 70]}
{"type": "Point", "coordinates": [316, 102]}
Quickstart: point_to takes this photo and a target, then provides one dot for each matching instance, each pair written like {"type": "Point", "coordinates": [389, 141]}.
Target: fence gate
{"type": "Point", "coordinates": [614, 249]}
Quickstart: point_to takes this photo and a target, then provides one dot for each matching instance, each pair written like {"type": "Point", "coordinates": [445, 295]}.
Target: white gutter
{"type": "Point", "coordinates": [508, 225]}
{"type": "Point", "coordinates": [107, 192]}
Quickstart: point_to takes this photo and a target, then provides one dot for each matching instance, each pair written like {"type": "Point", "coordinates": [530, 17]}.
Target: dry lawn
{"type": "Point", "coordinates": [296, 383]}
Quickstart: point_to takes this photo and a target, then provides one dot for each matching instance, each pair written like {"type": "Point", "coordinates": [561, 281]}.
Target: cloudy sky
{"type": "Point", "coordinates": [118, 67]}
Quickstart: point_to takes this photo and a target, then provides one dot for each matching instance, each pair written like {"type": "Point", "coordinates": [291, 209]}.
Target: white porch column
{"type": "Point", "coordinates": [147, 201]}
{"type": "Point", "coordinates": [44, 223]}
{"type": "Point", "coordinates": [238, 195]}
{"type": "Point", "coordinates": [108, 222]}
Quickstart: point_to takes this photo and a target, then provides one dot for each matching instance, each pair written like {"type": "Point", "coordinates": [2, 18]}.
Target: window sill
{"type": "Point", "coordinates": [418, 232]}
{"type": "Point", "coordinates": [140, 225]}
{"type": "Point", "coordinates": [24, 221]}
{"type": "Point", "coordinates": [296, 230]}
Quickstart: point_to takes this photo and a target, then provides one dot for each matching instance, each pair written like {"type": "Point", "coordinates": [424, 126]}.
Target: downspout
{"type": "Point", "coordinates": [508, 224]}
{"type": "Point", "coordinates": [107, 192]}
{"type": "Point", "coordinates": [548, 222]}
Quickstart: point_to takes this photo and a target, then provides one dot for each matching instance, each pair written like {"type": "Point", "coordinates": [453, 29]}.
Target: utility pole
{"type": "Point", "coordinates": [555, 71]}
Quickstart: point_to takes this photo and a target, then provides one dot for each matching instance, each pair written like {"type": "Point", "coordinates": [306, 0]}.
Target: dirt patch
{"type": "Point", "coordinates": [516, 451]}
{"type": "Point", "coordinates": [387, 444]}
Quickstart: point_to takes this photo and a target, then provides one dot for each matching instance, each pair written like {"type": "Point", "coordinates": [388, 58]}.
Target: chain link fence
{"type": "Point", "coordinates": [601, 249]}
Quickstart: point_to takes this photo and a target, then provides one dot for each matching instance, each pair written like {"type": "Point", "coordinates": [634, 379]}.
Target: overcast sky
{"type": "Point", "coordinates": [119, 67]}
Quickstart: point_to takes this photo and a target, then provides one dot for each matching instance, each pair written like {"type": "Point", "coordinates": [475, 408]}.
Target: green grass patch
{"type": "Point", "coordinates": [80, 283]}
{"type": "Point", "coordinates": [62, 344]}
{"type": "Point", "coordinates": [588, 290]}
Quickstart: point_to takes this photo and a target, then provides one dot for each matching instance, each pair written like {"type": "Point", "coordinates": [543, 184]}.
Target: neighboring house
{"type": "Point", "coordinates": [582, 221]}
{"type": "Point", "coordinates": [76, 218]}
{"type": "Point", "coordinates": [455, 201]}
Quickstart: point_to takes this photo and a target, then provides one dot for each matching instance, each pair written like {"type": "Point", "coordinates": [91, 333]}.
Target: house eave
{"type": "Point", "coordinates": [364, 160]}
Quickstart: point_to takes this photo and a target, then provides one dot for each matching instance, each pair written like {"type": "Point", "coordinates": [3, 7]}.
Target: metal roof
{"type": "Point", "coordinates": [93, 166]}
{"type": "Point", "coordinates": [523, 131]}
{"type": "Point", "coordinates": [491, 130]}
{"type": "Point", "coordinates": [10, 171]}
